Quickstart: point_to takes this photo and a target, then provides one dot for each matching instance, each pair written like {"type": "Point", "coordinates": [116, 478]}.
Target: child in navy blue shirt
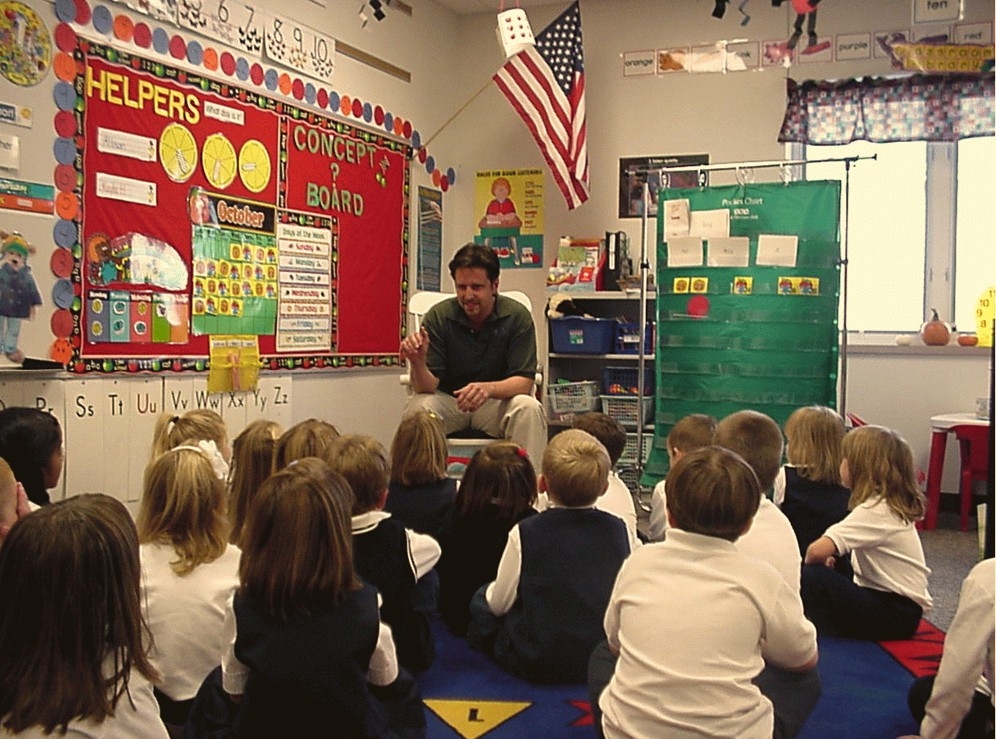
{"type": "Point", "coordinates": [420, 494]}
{"type": "Point", "coordinates": [808, 488]}
{"type": "Point", "coordinates": [542, 616]}
{"type": "Point", "coordinates": [387, 555]}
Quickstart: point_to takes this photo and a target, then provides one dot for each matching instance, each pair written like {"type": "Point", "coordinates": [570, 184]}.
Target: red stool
{"type": "Point", "coordinates": [974, 445]}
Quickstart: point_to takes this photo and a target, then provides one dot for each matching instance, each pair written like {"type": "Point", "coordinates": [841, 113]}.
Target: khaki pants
{"type": "Point", "coordinates": [520, 418]}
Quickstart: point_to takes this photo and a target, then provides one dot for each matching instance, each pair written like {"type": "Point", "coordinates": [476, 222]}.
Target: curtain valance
{"type": "Point", "coordinates": [914, 108]}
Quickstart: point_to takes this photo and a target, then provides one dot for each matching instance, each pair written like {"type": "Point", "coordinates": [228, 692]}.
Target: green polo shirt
{"type": "Point", "coordinates": [505, 346]}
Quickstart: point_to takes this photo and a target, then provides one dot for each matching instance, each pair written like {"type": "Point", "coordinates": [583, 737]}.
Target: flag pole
{"type": "Point", "coordinates": [458, 112]}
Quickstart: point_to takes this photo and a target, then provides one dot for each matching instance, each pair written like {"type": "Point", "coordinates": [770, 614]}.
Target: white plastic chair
{"type": "Point", "coordinates": [461, 448]}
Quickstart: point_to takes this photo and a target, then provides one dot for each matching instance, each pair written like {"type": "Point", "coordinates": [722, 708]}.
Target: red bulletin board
{"type": "Point", "coordinates": [150, 138]}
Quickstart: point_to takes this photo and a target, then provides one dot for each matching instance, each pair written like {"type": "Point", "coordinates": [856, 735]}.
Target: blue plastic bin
{"type": "Point", "coordinates": [576, 335]}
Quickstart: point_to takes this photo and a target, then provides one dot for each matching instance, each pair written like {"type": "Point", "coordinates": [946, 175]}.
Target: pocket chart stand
{"type": "Point", "coordinates": [707, 359]}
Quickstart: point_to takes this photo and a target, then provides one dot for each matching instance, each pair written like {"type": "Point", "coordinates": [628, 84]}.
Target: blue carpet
{"type": "Point", "coordinates": [468, 696]}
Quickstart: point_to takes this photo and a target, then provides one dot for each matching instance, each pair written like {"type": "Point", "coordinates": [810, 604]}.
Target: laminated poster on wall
{"type": "Point", "coordinates": [511, 208]}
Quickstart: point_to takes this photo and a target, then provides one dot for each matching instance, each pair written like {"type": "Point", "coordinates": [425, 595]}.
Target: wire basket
{"type": "Point", "coordinates": [629, 410]}
{"type": "Point", "coordinates": [624, 380]}
{"type": "Point", "coordinates": [567, 399]}
{"type": "Point", "coordinates": [628, 457]}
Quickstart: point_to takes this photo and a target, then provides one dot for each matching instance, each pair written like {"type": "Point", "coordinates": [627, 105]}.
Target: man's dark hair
{"type": "Point", "coordinates": [476, 255]}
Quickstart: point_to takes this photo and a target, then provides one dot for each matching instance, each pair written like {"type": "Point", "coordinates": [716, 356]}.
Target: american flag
{"type": "Point", "coordinates": [545, 85]}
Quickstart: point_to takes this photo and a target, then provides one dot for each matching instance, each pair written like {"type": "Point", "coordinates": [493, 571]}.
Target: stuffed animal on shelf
{"type": "Point", "coordinates": [19, 296]}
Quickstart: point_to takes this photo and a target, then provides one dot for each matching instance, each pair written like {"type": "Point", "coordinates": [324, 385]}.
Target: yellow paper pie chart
{"type": "Point", "coordinates": [178, 152]}
{"type": "Point", "coordinates": [218, 161]}
{"type": "Point", "coordinates": [254, 166]}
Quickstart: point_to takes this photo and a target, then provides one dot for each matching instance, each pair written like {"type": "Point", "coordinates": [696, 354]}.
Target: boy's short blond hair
{"type": "Point", "coordinates": [756, 438]}
{"type": "Point", "coordinates": [364, 462]}
{"type": "Point", "coordinates": [714, 492]}
{"type": "Point", "coordinates": [692, 432]}
{"type": "Point", "coordinates": [575, 468]}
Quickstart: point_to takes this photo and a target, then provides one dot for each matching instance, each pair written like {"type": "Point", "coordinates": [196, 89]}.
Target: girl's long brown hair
{"type": "Point", "coordinates": [500, 475]}
{"type": "Point", "coordinates": [297, 547]}
{"type": "Point", "coordinates": [71, 624]}
{"type": "Point", "coordinates": [252, 463]}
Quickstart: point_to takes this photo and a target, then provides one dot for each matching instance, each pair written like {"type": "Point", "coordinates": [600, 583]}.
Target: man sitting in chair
{"type": "Point", "coordinates": [473, 363]}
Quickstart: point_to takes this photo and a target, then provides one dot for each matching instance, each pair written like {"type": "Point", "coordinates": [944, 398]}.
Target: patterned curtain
{"type": "Point", "coordinates": [916, 108]}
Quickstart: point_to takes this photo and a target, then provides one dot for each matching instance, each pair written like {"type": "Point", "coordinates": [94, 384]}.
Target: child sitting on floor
{"type": "Point", "coordinates": [958, 701]}
{"type": "Point", "coordinates": [307, 653]}
{"type": "Point", "coordinates": [73, 642]}
{"type": "Point", "coordinates": [757, 438]}
{"type": "Point", "coordinates": [189, 572]}
{"type": "Point", "coordinates": [808, 488]}
{"type": "Point", "coordinates": [688, 434]}
{"type": "Point", "coordinates": [888, 595]}
{"type": "Point", "coordinates": [542, 615]}
{"type": "Point", "coordinates": [420, 495]}
{"type": "Point", "coordinates": [617, 498]}
{"type": "Point", "coordinates": [387, 555]}
{"type": "Point", "coordinates": [498, 491]}
{"type": "Point", "coordinates": [693, 620]}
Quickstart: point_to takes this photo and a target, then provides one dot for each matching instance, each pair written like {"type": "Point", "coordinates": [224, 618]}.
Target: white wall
{"type": "Point", "coordinates": [732, 117]}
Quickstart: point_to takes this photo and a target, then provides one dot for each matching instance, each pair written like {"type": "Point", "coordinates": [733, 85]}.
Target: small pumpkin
{"type": "Point", "coordinates": [935, 332]}
{"type": "Point", "coordinates": [967, 340]}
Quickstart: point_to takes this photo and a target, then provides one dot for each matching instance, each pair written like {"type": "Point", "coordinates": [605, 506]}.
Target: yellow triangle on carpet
{"type": "Point", "coordinates": [474, 718]}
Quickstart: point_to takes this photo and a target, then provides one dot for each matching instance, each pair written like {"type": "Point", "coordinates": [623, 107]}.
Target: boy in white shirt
{"type": "Point", "coordinates": [692, 432]}
{"type": "Point", "coordinates": [617, 499]}
{"type": "Point", "coordinates": [757, 438]}
{"type": "Point", "coordinates": [693, 620]}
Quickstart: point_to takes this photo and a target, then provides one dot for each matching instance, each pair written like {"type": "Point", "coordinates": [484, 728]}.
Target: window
{"type": "Point", "coordinates": [921, 229]}
{"type": "Point", "coordinates": [975, 230]}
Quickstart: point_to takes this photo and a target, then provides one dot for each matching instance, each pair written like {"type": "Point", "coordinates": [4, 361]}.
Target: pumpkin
{"type": "Point", "coordinates": [968, 340]}
{"type": "Point", "coordinates": [935, 332]}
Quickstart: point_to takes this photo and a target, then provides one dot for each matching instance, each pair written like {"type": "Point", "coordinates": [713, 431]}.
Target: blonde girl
{"type": "Point", "coordinates": [889, 594]}
{"type": "Point", "coordinates": [72, 636]}
{"type": "Point", "coordinates": [420, 495]}
{"type": "Point", "coordinates": [311, 647]}
{"type": "Point", "coordinates": [200, 427]}
{"type": "Point", "coordinates": [808, 489]}
{"type": "Point", "coordinates": [252, 463]}
{"type": "Point", "coordinates": [189, 572]}
{"type": "Point", "coordinates": [497, 491]}
{"type": "Point", "coordinates": [309, 438]}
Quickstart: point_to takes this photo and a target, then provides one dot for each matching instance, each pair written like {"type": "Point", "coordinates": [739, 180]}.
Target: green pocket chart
{"type": "Point", "coordinates": [762, 336]}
